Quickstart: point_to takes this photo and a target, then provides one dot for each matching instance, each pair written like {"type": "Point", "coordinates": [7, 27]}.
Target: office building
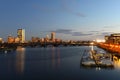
{"type": "Point", "coordinates": [35, 39]}
{"type": "Point", "coordinates": [47, 38]}
{"type": "Point", "coordinates": [52, 36]}
{"type": "Point", "coordinates": [113, 38]}
{"type": "Point", "coordinates": [1, 40]}
{"type": "Point", "coordinates": [11, 39]}
{"type": "Point", "coordinates": [21, 35]}
{"type": "Point", "coordinates": [17, 40]}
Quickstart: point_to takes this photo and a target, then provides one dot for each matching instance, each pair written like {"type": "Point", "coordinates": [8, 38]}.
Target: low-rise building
{"type": "Point", "coordinates": [113, 38]}
{"type": "Point", "coordinates": [17, 40]}
{"type": "Point", "coordinates": [11, 39]}
{"type": "Point", "coordinates": [1, 40]}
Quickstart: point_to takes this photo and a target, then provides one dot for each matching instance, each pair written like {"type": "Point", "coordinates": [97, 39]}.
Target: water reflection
{"type": "Point", "coordinates": [20, 60]}
{"type": "Point", "coordinates": [58, 55]}
{"type": "Point", "coordinates": [98, 68]}
{"type": "Point", "coordinates": [55, 57]}
{"type": "Point", "coordinates": [116, 61]}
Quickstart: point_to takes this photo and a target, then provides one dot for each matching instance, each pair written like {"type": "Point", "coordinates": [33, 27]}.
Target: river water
{"type": "Point", "coordinates": [53, 63]}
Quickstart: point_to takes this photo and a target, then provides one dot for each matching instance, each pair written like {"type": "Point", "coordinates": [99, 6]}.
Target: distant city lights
{"type": "Point", "coordinates": [99, 40]}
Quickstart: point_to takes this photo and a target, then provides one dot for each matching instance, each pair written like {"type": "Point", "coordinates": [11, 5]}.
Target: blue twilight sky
{"type": "Point", "coordinates": [70, 19]}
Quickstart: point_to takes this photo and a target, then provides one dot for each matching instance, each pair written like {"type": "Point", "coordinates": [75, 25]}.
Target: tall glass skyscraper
{"type": "Point", "coordinates": [21, 35]}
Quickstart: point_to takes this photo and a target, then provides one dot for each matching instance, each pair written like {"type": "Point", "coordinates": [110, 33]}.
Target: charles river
{"type": "Point", "coordinates": [52, 63]}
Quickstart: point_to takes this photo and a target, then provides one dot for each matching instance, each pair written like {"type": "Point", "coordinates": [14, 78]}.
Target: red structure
{"type": "Point", "coordinates": [110, 47]}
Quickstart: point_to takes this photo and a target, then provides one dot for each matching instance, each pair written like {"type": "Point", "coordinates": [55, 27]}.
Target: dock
{"type": "Point", "coordinates": [94, 59]}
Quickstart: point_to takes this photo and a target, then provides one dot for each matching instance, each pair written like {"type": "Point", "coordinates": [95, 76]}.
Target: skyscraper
{"type": "Point", "coordinates": [52, 36]}
{"type": "Point", "coordinates": [21, 35]}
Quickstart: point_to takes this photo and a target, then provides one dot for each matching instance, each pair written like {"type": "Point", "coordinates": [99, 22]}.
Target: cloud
{"type": "Point", "coordinates": [46, 9]}
{"type": "Point", "coordinates": [94, 31]}
{"type": "Point", "coordinates": [80, 14]}
{"type": "Point", "coordinates": [101, 32]}
{"type": "Point", "coordinates": [78, 33]}
{"type": "Point", "coordinates": [64, 31]}
{"type": "Point", "coordinates": [81, 34]}
{"type": "Point", "coordinates": [65, 6]}
{"type": "Point", "coordinates": [72, 32]}
{"type": "Point", "coordinates": [106, 33]}
{"type": "Point", "coordinates": [107, 26]}
{"type": "Point", "coordinates": [111, 26]}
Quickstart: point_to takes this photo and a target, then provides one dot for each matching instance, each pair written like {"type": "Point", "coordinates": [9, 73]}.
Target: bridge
{"type": "Point", "coordinates": [45, 44]}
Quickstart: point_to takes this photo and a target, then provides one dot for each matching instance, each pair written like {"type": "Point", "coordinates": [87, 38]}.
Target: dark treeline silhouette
{"type": "Point", "coordinates": [45, 44]}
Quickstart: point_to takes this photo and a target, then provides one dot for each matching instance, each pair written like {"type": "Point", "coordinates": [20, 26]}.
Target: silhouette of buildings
{"type": "Point", "coordinates": [52, 39]}
{"type": "Point", "coordinates": [19, 39]}
{"type": "Point", "coordinates": [35, 39]}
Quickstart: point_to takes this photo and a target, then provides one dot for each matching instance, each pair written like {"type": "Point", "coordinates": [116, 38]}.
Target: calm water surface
{"type": "Point", "coordinates": [60, 63]}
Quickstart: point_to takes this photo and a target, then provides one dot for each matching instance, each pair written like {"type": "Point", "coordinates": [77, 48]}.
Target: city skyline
{"type": "Point", "coordinates": [69, 19]}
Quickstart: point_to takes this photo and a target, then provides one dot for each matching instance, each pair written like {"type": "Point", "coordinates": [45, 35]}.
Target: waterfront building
{"type": "Point", "coordinates": [11, 39]}
{"type": "Point", "coordinates": [35, 39]}
{"type": "Point", "coordinates": [53, 36]}
{"type": "Point", "coordinates": [107, 38]}
{"type": "Point", "coordinates": [42, 40]}
{"type": "Point", "coordinates": [113, 38]}
{"type": "Point", "coordinates": [47, 36]}
{"type": "Point", "coordinates": [47, 39]}
{"type": "Point", "coordinates": [58, 40]}
{"type": "Point", "coordinates": [1, 40]}
{"type": "Point", "coordinates": [21, 35]}
{"type": "Point", "coordinates": [17, 40]}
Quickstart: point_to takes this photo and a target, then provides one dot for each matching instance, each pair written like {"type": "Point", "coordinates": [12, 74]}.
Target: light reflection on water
{"type": "Point", "coordinates": [116, 61]}
{"type": "Point", "coordinates": [20, 60]}
{"type": "Point", "coordinates": [53, 63]}
{"type": "Point", "coordinates": [53, 57]}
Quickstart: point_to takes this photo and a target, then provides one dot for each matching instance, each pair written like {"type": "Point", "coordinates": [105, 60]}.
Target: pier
{"type": "Point", "coordinates": [92, 58]}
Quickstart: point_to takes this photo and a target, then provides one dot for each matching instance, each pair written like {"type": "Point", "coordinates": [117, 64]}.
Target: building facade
{"type": "Point", "coordinates": [10, 39]}
{"type": "Point", "coordinates": [21, 35]}
{"type": "Point", "coordinates": [53, 36]}
{"type": "Point", "coordinates": [113, 38]}
{"type": "Point", "coordinates": [1, 40]}
{"type": "Point", "coordinates": [17, 40]}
